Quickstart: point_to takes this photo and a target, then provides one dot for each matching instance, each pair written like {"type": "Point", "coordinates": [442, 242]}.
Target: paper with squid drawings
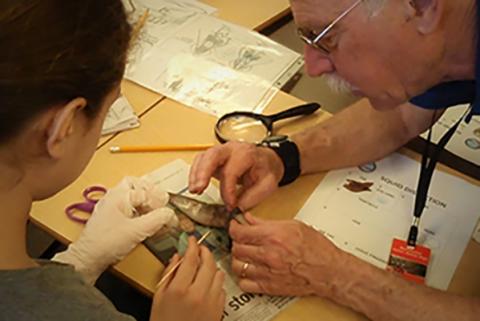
{"type": "Point", "coordinates": [215, 66]}
{"type": "Point", "coordinates": [165, 18]}
{"type": "Point", "coordinates": [362, 209]}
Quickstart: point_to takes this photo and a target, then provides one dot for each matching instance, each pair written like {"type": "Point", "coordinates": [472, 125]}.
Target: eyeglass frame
{"type": "Point", "coordinates": [315, 42]}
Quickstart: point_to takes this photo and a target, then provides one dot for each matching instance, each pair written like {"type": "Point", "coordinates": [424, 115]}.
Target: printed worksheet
{"type": "Point", "coordinates": [216, 66]}
{"type": "Point", "coordinates": [165, 18]}
{"type": "Point", "coordinates": [466, 141]}
{"type": "Point", "coordinates": [363, 209]}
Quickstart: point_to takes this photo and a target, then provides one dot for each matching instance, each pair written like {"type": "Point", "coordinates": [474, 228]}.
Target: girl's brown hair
{"type": "Point", "coordinates": [52, 51]}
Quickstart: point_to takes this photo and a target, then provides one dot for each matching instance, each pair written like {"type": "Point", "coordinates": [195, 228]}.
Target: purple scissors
{"type": "Point", "coordinates": [91, 195]}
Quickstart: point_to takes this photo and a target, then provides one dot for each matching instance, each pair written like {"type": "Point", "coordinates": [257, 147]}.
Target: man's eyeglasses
{"type": "Point", "coordinates": [314, 39]}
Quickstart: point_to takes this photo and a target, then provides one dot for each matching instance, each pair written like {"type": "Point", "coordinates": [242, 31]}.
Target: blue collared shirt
{"type": "Point", "coordinates": [456, 92]}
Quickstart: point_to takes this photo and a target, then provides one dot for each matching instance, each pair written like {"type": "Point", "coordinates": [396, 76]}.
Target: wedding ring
{"type": "Point", "coordinates": [243, 272]}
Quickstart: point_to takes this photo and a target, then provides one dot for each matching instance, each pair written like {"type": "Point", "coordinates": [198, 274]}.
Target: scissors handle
{"type": "Point", "coordinates": [88, 206]}
{"type": "Point", "coordinates": [96, 189]}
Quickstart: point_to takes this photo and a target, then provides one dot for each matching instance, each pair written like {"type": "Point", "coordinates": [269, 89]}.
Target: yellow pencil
{"type": "Point", "coordinates": [161, 148]}
{"type": "Point", "coordinates": [139, 25]}
{"type": "Point", "coordinates": [177, 265]}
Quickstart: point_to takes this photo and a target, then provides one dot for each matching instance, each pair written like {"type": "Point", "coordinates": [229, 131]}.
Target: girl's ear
{"type": "Point", "coordinates": [62, 127]}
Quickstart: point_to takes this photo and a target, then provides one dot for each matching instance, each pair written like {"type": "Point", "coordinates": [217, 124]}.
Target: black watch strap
{"type": "Point", "coordinates": [290, 156]}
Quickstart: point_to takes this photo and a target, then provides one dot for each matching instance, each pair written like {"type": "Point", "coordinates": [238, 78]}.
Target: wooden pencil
{"type": "Point", "coordinates": [177, 265]}
{"type": "Point", "coordinates": [139, 25]}
{"type": "Point", "coordinates": [160, 148]}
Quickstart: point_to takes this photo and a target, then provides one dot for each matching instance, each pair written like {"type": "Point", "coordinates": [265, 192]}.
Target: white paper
{"type": "Point", "coordinates": [465, 143]}
{"type": "Point", "coordinates": [365, 223]}
{"type": "Point", "coordinates": [120, 117]}
{"type": "Point", "coordinates": [215, 66]}
{"type": "Point", "coordinates": [173, 178]}
{"type": "Point", "coordinates": [239, 306]}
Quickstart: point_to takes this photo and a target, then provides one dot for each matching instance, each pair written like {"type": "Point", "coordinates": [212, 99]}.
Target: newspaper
{"type": "Point", "coordinates": [239, 306]}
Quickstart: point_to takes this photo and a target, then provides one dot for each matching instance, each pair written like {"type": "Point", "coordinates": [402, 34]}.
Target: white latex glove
{"type": "Point", "coordinates": [124, 217]}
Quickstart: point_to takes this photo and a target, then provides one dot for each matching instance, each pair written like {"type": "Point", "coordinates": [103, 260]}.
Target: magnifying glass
{"type": "Point", "coordinates": [254, 128]}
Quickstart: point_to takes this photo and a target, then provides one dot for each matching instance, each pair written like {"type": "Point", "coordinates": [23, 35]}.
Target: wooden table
{"type": "Point", "coordinates": [141, 100]}
{"type": "Point", "coordinates": [252, 14]}
{"type": "Point", "coordinates": [172, 122]}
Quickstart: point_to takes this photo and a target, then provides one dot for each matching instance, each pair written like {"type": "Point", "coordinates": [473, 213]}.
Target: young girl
{"type": "Point", "coordinates": [61, 64]}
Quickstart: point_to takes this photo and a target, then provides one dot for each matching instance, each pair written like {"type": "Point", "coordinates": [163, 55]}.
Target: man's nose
{"type": "Point", "coordinates": [317, 63]}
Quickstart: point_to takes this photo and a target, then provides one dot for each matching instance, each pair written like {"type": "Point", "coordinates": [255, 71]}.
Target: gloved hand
{"type": "Point", "coordinates": [124, 217]}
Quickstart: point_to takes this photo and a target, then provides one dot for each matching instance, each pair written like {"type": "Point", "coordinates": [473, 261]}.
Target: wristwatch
{"type": "Point", "coordinates": [288, 152]}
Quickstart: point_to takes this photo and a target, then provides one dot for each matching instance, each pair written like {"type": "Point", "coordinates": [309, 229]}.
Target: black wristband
{"type": "Point", "coordinates": [290, 156]}
{"type": "Point", "coordinates": [288, 153]}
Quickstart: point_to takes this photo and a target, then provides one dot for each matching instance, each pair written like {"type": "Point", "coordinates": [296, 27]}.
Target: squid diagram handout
{"type": "Point", "coordinates": [363, 209]}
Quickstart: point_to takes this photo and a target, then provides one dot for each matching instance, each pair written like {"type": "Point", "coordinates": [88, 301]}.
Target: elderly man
{"type": "Point", "coordinates": [411, 59]}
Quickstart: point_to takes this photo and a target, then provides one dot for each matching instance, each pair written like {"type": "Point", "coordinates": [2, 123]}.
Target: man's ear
{"type": "Point", "coordinates": [426, 14]}
{"type": "Point", "coordinates": [62, 126]}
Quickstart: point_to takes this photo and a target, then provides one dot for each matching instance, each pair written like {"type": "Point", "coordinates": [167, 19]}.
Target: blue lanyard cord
{"type": "Point", "coordinates": [426, 173]}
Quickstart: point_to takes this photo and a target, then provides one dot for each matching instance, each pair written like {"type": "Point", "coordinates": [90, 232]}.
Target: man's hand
{"type": "Point", "coordinates": [257, 169]}
{"type": "Point", "coordinates": [124, 217]}
{"type": "Point", "coordinates": [290, 258]}
{"type": "Point", "coordinates": [283, 258]}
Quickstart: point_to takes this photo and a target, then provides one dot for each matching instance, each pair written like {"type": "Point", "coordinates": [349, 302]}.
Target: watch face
{"type": "Point", "coordinates": [276, 139]}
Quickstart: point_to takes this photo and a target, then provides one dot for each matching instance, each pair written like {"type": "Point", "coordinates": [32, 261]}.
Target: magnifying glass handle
{"type": "Point", "coordinates": [306, 109]}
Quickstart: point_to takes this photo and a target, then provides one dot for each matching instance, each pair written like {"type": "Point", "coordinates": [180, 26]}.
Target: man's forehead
{"type": "Point", "coordinates": [316, 13]}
